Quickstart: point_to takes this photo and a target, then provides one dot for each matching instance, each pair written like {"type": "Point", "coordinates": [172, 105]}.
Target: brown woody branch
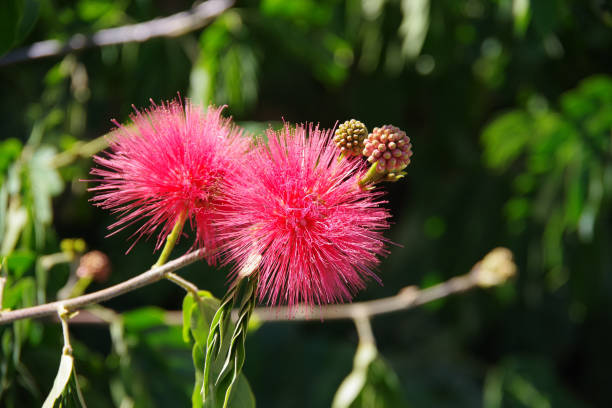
{"type": "Point", "coordinates": [495, 269]}
{"type": "Point", "coordinates": [172, 26]}
{"type": "Point", "coordinates": [146, 278]}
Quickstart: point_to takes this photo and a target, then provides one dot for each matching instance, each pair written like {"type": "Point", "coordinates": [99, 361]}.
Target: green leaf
{"type": "Point", "coordinates": [546, 15]}
{"type": "Point", "coordinates": [3, 211]}
{"type": "Point", "coordinates": [522, 15]}
{"type": "Point", "coordinates": [144, 319]}
{"type": "Point", "coordinates": [10, 149]}
{"type": "Point", "coordinates": [20, 261]}
{"type": "Point", "coordinates": [371, 384]}
{"type": "Point", "coordinates": [91, 10]}
{"type": "Point", "coordinates": [526, 382]}
{"type": "Point", "coordinates": [16, 21]}
{"type": "Point", "coordinates": [241, 395]}
{"type": "Point", "coordinates": [220, 389]}
{"type": "Point", "coordinates": [200, 316]}
{"type": "Point", "coordinates": [575, 196]}
{"type": "Point", "coordinates": [61, 380]}
{"type": "Point", "coordinates": [45, 183]}
{"type": "Point", "coordinates": [301, 11]}
{"type": "Point", "coordinates": [226, 72]}
{"type": "Point", "coordinates": [414, 26]}
{"type": "Point", "coordinates": [22, 293]}
{"type": "Point", "coordinates": [29, 15]}
{"type": "Point", "coordinates": [65, 391]}
{"type": "Point", "coordinates": [9, 21]}
{"type": "Point", "coordinates": [198, 362]}
{"type": "Point", "coordinates": [352, 385]}
{"type": "Point", "coordinates": [505, 138]}
{"type": "Point", "coordinates": [188, 306]}
{"type": "Point", "coordinates": [15, 220]}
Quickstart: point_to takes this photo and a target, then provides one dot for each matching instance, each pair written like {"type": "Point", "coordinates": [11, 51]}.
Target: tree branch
{"type": "Point", "coordinates": [494, 269]}
{"type": "Point", "coordinates": [146, 278]}
{"type": "Point", "coordinates": [172, 26]}
{"type": "Point", "coordinates": [407, 298]}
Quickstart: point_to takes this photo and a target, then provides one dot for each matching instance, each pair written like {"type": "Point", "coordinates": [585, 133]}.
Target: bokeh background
{"type": "Point", "coordinates": [509, 107]}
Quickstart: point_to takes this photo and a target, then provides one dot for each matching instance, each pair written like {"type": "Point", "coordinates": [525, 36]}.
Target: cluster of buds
{"type": "Point", "coordinates": [73, 246]}
{"type": "Point", "coordinates": [387, 148]}
{"type": "Point", "coordinates": [349, 137]}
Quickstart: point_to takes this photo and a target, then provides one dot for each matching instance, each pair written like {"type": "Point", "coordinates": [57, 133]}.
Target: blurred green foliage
{"type": "Point", "coordinates": [509, 107]}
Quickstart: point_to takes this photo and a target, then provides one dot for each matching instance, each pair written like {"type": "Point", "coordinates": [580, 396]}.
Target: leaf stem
{"type": "Point", "coordinates": [183, 283]}
{"type": "Point", "coordinates": [64, 315]}
{"type": "Point", "coordinates": [364, 329]}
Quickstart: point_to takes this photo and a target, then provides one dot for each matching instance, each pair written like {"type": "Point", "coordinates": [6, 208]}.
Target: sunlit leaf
{"type": "Point", "coordinates": [198, 317]}
{"type": "Point", "coordinates": [505, 138]}
{"type": "Point", "coordinates": [226, 71]}
{"type": "Point", "coordinates": [65, 391]}
{"type": "Point", "coordinates": [19, 293]}
{"type": "Point", "coordinates": [521, 14]}
{"type": "Point", "coordinates": [9, 152]}
{"type": "Point", "coordinates": [45, 183]}
{"type": "Point", "coordinates": [20, 261]}
{"type": "Point", "coordinates": [371, 384]}
{"type": "Point", "coordinates": [415, 23]}
{"type": "Point", "coordinates": [313, 12]}
{"type": "Point", "coordinates": [61, 380]}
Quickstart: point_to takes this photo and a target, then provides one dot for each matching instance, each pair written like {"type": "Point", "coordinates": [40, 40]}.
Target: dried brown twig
{"type": "Point", "coordinates": [172, 26]}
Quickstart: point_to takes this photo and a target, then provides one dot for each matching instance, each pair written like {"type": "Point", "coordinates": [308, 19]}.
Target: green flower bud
{"type": "Point", "coordinates": [349, 137]}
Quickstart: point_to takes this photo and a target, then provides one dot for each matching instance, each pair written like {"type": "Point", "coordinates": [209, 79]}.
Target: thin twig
{"type": "Point", "coordinates": [146, 278]}
{"type": "Point", "coordinates": [172, 26]}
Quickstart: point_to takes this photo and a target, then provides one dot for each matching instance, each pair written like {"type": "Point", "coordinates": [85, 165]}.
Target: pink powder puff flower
{"type": "Point", "coordinates": [172, 162]}
{"type": "Point", "coordinates": [299, 208]}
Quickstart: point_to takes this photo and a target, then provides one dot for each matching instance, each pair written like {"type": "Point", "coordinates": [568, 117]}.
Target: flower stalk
{"type": "Point", "coordinates": [371, 177]}
{"type": "Point", "coordinates": [171, 240]}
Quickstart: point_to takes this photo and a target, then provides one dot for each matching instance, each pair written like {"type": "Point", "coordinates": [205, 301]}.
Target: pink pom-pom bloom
{"type": "Point", "coordinates": [171, 162]}
{"type": "Point", "coordinates": [299, 208]}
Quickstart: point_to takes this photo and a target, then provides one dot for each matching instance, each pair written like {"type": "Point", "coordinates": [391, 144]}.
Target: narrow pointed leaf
{"type": "Point", "coordinates": [61, 380]}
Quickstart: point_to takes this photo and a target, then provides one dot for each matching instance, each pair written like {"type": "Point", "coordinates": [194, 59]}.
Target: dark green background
{"type": "Point", "coordinates": [510, 115]}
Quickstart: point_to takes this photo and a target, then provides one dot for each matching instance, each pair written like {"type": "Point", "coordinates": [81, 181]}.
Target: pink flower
{"type": "Point", "coordinates": [299, 208]}
{"type": "Point", "coordinates": [172, 161]}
